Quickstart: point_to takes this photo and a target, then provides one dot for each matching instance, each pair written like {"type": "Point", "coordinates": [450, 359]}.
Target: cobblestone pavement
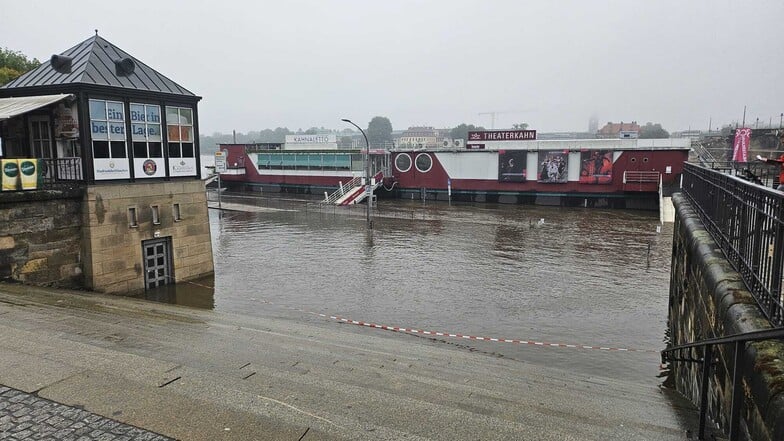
{"type": "Point", "coordinates": [27, 417]}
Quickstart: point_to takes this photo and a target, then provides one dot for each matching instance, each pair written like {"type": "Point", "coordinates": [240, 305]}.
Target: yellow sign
{"type": "Point", "coordinates": [28, 171]}
{"type": "Point", "coordinates": [10, 174]}
{"type": "Point", "coordinates": [20, 174]}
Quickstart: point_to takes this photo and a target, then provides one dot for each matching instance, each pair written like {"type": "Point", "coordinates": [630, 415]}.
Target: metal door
{"type": "Point", "coordinates": [157, 262]}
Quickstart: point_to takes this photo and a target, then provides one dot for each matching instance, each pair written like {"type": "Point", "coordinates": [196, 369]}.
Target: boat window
{"type": "Point", "coordinates": [423, 162]}
{"type": "Point", "coordinates": [403, 162]}
{"type": "Point", "coordinates": [644, 159]}
{"type": "Point", "coordinates": [633, 160]}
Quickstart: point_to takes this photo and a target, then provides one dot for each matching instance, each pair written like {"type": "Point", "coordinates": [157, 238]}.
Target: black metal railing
{"type": "Point", "coordinates": [61, 169]}
{"type": "Point", "coordinates": [676, 354]}
{"type": "Point", "coordinates": [747, 222]}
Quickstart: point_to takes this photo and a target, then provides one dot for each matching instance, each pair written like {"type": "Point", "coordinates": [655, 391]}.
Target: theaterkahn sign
{"type": "Point", "coordinates": [502, 135]}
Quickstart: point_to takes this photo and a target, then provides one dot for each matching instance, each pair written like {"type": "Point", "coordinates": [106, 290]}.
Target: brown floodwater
{"type": "Point", "coordinates": [548, 274]}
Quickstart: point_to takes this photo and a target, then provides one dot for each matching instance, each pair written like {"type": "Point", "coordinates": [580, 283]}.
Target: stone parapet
{"type": "Point", "coordinates": [708, 299]}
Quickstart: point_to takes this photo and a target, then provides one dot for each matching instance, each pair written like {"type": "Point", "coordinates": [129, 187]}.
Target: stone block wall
{"type": "Point", "coordinates": [40, 237]}
{"type": "Point", "coordinates": [113, 248]}
{"type": "Point", "coordinates": [708, 299]}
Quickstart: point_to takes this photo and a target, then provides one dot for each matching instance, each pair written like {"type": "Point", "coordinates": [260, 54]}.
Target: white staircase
{"type": "Point", "coordinates": [353, 192]}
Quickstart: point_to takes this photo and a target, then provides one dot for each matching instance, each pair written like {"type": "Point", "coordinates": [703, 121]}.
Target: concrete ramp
{"type": "Point", "coordinates": [200, 374]}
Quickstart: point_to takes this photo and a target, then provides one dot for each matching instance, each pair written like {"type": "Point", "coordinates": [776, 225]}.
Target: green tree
{"type": "Point", "coordinates": [13, 64]}
{"type": "Point", "coordinates": [379, 131]}
{"type": "Point", "coordinates": [461, 131]}
{"type": "Point", "coordinates": [650, 130]}
{"type": "Point", "coordinates": [521, 126]}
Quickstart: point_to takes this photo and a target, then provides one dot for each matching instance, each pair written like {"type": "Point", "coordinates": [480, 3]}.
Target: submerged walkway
{"type": "Point", "coordinates": [194, 374]}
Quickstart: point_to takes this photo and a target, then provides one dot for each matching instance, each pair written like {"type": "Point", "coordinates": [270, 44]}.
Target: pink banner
{"type": "Point", "coordinates": [740, 149]}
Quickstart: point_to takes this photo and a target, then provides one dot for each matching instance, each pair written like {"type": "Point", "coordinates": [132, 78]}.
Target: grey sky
{"type": "Point", "coordinates": [299, 64]}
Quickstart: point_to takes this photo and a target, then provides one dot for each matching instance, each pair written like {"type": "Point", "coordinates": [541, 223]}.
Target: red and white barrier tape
{"type": "Point", "coordinates": [463, 336]}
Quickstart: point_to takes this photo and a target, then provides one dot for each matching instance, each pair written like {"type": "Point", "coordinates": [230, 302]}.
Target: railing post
{"type": "Point", "coordinates": [707, 361]}
{"type": "Point", "coordinates": [778, 261]}
{"type": "Point", "coordinates": [737, 392]}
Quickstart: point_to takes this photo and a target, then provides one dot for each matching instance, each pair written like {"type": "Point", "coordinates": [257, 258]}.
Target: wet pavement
{"type": "Point", "coordinates": [198, 374]}
{"type": "Point", "coordinates": [25, 417]}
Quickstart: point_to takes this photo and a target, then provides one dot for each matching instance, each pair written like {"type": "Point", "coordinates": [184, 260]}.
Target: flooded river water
{"type": "Point", "coordinates": [547, 274]}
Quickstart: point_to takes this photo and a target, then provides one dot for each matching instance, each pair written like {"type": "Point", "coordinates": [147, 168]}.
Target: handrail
{"type": "Point", "coordinates": [337, 194]}
{"type": "Point", "coordinates": [747, 222]}
{"type": "Point", "coordinates": [765, 334]}
{"type": "Point", "coordinates": [739, 340]}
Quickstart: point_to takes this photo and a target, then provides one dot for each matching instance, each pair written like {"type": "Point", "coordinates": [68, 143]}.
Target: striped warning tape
{"type": "Point", "coordinates": [462, 336]}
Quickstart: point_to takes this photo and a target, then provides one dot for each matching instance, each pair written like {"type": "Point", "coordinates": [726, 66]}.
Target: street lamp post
{"type": "Point", "coordinates": [368, 188]}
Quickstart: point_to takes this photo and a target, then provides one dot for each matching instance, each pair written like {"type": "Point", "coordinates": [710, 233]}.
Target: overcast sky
{"type": "Point", "coordinates": [552, 64]}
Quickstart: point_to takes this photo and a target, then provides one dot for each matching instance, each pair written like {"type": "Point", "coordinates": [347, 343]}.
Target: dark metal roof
{"type": "Point", "coordinates": [93, 62]}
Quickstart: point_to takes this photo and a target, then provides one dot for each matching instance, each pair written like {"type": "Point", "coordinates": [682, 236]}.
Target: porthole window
{"type": "Point", "coordinates": [403, 162]}
{"type": "Point", "coordinates": [644, 159]}
{"type": "Point", "coordinates": [634, 159]}
{"type": "Point", "coordinates": [423, 162]}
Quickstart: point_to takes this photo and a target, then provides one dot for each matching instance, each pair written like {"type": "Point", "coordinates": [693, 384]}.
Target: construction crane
{"type": "Point", "coordinates": [493, 114]}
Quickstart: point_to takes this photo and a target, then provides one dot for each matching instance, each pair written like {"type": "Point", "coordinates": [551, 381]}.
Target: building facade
{"type": "Point", "coordinates": [105, 124]}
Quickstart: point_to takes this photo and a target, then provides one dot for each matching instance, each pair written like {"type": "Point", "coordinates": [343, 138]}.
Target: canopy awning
{"type": "Point", "coordinates": [11, 107]}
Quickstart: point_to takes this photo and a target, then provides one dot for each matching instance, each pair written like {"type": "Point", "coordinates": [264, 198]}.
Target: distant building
{"type": "Point", "coordinates": [619, 130]}
{"type": "Point", "coordinates": [425, 137]}
{"type": "Point", "coordinates": [593, 124]}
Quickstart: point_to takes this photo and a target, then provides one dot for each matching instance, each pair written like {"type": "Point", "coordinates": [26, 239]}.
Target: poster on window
{"type": "Point", "coordinates": [66, 122]}
{"type": "Point", "coordinates": [553, 167]}
{"type": "Point", "coordinates": [596, 167]}
{"type": "Point", "coordinates": [511, 165]}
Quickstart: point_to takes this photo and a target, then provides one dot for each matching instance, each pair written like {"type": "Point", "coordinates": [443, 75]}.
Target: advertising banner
{"type": "Point", "coordinates": [10, 174]}
{"type": "Point", "coordinates": [596, 167]}
{"type": "Point", "coordinates": [149, 167]}
{"type": "Point", "coordinates": [105, 168]}
{"type": "Point", "coordinates": [554, 167]}
{"type": "Point", "coordinates": [28, 172]}
{"type": "Point", "coordinates": [182, 167]}
{"type": "Point", "coordinates": [740, 149]}
{"type": "Point", "coordinates": [511, 165]}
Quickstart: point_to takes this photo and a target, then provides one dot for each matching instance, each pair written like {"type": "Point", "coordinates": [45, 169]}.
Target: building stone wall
{"type": "Point", "coordinates": [113, 248]}
{"type": "Point", "coordinates": [40, 236]}
{"type": "Point", "coordinates": [708, 299]}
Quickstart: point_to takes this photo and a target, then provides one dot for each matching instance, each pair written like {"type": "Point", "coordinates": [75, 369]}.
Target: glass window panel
{"type": "Point", "coordinates": [97, 109]}
{"type": "Point", "coordinates": [100, 149]}
{"type": "Point", "coordinates": [174, 150]}
{"type": "Point", "coordinates": [99, 130]}
{"type": "Point", "coordinates": [138, 131]}
{"type": "Point", "coordinates": [139, 149]}
{"type": "Point", "coordinates": [159, 249]}
{"type": "Point", "coordinates": [150, 262]}
{"type": "Point", "coordinates": [156, 151]}
{"type": "Point", "coordinates": [115, 111]}
{"type": "Point", "coordinates": [154, 132]}
{"type": "Point", "coordinates": [154, 114]}
{"type": "Point", "coordinates": [187, 150]}
{"type": "Point", "coordinates": [186, 134]}
{"type": "Point", "coordinates": [150, 251]}
{"type": "Point", "coordinates": [137, 113]}
{"type": "Point", "coordinates": [174, 133]}
{"type": "Point", "coordinates": [116, 131]}
{"type": "Point", "coordinates": [186, 116]}
{"type": "Point", "coordinates": [118, 149]}
{"type": "Point", "coordinates": [172, 116]}
{"type": "Point", "coordinates": [160, 261]}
